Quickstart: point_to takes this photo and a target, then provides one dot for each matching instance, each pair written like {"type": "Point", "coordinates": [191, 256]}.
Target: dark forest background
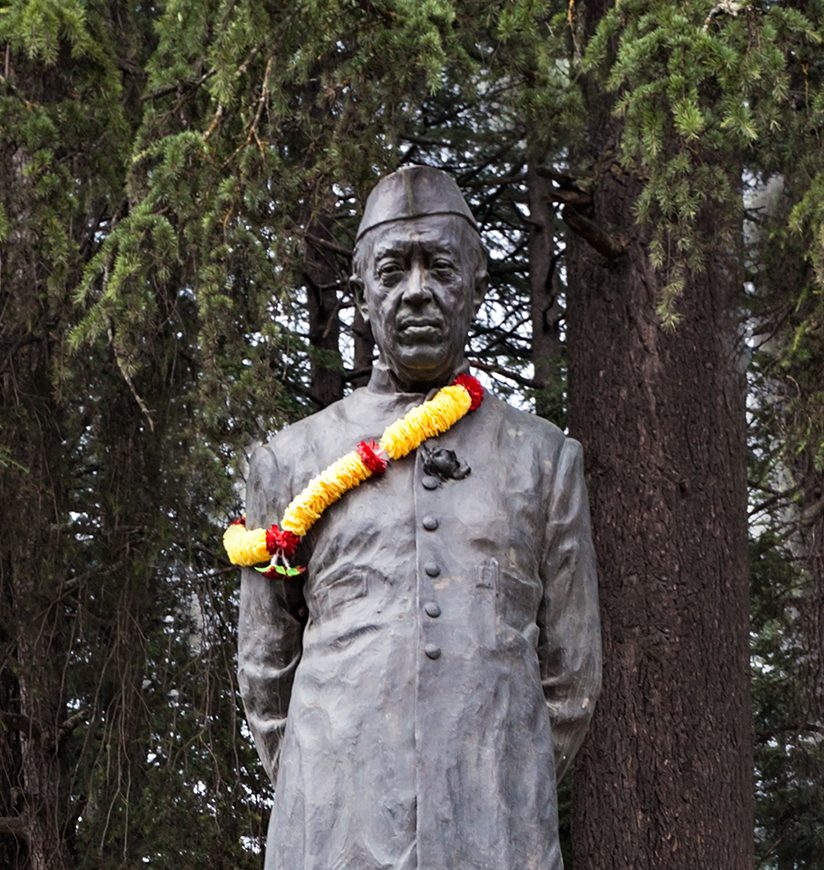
{"type": "Point", "coordinates": [180, 182]}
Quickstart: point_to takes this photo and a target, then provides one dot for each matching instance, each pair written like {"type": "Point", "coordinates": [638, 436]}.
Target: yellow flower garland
{"type": "Point", "coordinates": [245, 546]}
{"type": "Point", "coordinates": [248, 547]}
{"type": "Point", "coordinates": [431, 418]}
{"type": "Point", "coordinates": [322, 490]}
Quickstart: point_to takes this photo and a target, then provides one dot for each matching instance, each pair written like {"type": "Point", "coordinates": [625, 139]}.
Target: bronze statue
{"type": "Point", "coordinates": [416, 699]}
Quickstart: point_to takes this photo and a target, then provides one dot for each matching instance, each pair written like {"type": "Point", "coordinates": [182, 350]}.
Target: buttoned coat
{"type": "Point", "coordinates": [414, 705]}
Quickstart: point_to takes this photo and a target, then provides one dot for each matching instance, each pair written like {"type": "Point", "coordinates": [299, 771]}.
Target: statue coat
{"type": "Point", "coordinates": [450, 657]}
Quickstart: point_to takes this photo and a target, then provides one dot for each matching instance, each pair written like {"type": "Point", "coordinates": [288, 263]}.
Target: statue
{"type": "Point", "coordinates": [416, 694]}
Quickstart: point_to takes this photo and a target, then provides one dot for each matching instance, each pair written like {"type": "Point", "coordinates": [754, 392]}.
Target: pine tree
{"type": "Point", "coordinates": [164, 286]}
{"type": "Point", "coordinates": [681, 100]}
{"type": "Point", "coordinates": [179, 188]}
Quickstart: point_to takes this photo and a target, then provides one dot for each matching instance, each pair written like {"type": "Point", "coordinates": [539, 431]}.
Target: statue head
{"type": "Point", "coordinates": [419, 274]}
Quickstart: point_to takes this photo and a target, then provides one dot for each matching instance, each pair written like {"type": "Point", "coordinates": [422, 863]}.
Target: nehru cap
{"type": "Point", "coordinates": [412, 192]}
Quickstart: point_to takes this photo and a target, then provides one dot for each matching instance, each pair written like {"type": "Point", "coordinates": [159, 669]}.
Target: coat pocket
{"type": "Point", "coordinates": [519, 599]}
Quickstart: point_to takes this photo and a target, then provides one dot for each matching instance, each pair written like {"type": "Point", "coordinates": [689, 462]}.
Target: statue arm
{"type": "Point", "coordinates": [269, 634]}
{"type": "Point", "coordinates": [569, 646]}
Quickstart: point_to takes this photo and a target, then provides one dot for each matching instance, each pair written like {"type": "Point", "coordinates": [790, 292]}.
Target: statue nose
{"type": "Point", "coordinates": [417, 287]}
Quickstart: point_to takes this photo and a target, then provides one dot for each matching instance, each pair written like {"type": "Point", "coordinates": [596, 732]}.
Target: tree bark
{"type": "Point", "coordinates": [35, 650]}
{"type": "Point", "coordinates": [665, 777]}
{"type": "Point", "coordinates": [33, 483]}
{"type": "Point", "coordinates": [364, 350]}
{"type": "Point", "coordinates": [12, 826]}
{"type": "Point", "coordinates": [545, 308]}
{"type": "Point", "coordinates": [811, 481]}
{"type": "Point", "coordinates": [322, 280]}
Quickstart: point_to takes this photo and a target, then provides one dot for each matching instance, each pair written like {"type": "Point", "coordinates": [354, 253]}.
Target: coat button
{"type": "Point", "coordinates": [432, 570]}
{"type": "Point", "coordinates": [432, 651]}
{"type": "Point", "coordinates": [430, 524]}
{"type": "Point", "coordinates": [429, 482]}
{"type": "Point", "coordinates": [432, 608]}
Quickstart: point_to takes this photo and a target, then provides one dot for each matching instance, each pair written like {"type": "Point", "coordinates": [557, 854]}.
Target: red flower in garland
{"type": "Point", "coordinates": [281, 540]}
{"type": "Point", "coordinates": [473, 386]}
{"type": "Point", "coordinates": [239, 521]}
{"type": "Point", "coordinates": [368, 452]}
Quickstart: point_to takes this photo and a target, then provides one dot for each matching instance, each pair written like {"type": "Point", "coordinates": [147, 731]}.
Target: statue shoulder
{"type": "Point", "coordinates": [301, 438]}
{"type": "Point", "coordinates": [535, 429]}
{"type": "Point", "coordinates": [556, 459]}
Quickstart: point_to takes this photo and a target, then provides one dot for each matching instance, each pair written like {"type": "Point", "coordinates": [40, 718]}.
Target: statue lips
{"type": "Point", "coordinates": [421, 327]}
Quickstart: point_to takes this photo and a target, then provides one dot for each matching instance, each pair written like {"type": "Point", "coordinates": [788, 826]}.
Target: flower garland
{"type": "Point", "coordinates": [277, 544]}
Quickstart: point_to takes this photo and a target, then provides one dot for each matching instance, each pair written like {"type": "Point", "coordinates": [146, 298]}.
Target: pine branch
{"type": "Point", "coordinates": [770, 502]}
{"type": "Point", "coordinates": [370, 8]}
{"type": "Point", "coordinates": [191, 84]}
{"type": "Point", "coordinates": [426, 141]}
{"type": "Point", "coordinates": [497, 180]}
{"type": "Point", "coordinates": [129, 383]}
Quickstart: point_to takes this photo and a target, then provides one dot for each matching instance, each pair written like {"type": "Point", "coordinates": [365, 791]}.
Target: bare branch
{"type": "Point", "coordinates": [571, 196]}
{"type": "Point", "coordinates": [329, 246]}
{"type": "Point", "coordinates": [16, 826]}
{"type": "Point", "coordinates": [812, 512]}
{"type": "Point", "coordinates": [512, 376]}
{"type": "Point", "coordinates": [598, 238]}
{"type": "Point", "coordinates": [66, 728]}
{"type": "Point", "coordinates": [129, 383]}
{"type": "Point", "coordinates": [18, 722]}
{"type": "Point", "coordinates": [178, 86]}
{"type": "Point", "coordinates": [562, 178]}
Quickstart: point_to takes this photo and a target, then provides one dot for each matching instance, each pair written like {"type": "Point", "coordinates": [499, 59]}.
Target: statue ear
{"type": "Point", "coordinates": [356, 284]}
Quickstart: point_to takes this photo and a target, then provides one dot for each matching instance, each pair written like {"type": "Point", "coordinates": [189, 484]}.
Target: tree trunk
{"type": "Point", "coordinates": [364, 350]}
{"type": "Point", "coordinates": [33, 484]}
{"type": "Point", "coordinates": [811, 480]}
{"type": "Point", "coordinates": [322, 280]}
{"type": "Point", "coordinates": [32, 580]}
{"type": "Point", "coordinates": [544, 306]}
{"type": "Point", "coordinates": [665, 777]}
{"type": "Point", "coordinates": [12, 842]}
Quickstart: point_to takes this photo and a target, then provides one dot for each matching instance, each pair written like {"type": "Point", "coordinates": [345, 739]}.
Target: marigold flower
{"type": "Point", "coordinates": [244, 546]}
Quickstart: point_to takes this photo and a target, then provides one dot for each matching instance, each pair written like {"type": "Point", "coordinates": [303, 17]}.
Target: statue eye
{"type": "Point", "coordinates": [443, 268]}
{"type": "Point", "coordinates": [390, 273]}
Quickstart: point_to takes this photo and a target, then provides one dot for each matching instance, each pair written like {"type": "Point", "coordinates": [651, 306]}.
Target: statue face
{"type": "Point", "coordinates": [419, 288]}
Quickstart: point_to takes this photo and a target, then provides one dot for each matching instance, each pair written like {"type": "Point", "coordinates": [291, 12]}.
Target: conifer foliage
{"type": "Point", "coordinates": [179, 188]}
{"type": "Point", "coordinates": [165, 172]}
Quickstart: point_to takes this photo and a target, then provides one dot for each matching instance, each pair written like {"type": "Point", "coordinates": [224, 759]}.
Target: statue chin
{"type": "Point", "coordinates": [423, 366]}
